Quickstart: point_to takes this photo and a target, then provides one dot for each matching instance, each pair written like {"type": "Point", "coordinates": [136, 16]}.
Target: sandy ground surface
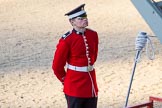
{"type": "Point", "coordinates": [29, 32]}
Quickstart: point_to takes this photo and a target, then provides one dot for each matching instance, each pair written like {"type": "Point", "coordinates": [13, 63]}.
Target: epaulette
{"type": "Point", "coordinates": [66, 35]}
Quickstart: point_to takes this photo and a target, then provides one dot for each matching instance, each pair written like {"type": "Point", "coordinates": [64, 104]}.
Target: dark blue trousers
{"type": "Point", "coordinates": [75, 102]}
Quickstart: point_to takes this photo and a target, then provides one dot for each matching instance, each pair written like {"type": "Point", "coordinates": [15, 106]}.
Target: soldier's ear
{"type": "Point", "coordinates": [71, 21]}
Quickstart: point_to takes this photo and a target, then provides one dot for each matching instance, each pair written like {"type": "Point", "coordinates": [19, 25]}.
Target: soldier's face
{"type": "Point", "coordinates": [80, 22]}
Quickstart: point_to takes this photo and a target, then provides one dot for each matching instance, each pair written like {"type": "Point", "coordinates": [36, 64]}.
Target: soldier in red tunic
{"type": "Point", "coordinates": [78, 49]}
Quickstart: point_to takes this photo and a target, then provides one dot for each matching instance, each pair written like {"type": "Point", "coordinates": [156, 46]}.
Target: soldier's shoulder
{"type": "Point", "coordinates": [91, 30]}
{"type": "Point", "coordinates": [66, 35]}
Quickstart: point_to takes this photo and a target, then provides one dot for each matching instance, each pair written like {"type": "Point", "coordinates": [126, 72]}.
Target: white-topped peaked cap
{"type": "Point", "coordinates": [77, 12]}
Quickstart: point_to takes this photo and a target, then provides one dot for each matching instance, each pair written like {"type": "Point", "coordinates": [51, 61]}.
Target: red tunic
{"type": "Point", "coordinates": [71, 49]}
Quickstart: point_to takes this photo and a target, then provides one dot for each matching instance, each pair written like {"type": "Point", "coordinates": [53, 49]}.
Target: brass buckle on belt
{"type": "Point", "coordinates": [90, 68]}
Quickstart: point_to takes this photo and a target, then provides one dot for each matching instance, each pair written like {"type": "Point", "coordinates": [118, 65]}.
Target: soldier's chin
{"type": "Point", "coordinates": [86, 25]}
